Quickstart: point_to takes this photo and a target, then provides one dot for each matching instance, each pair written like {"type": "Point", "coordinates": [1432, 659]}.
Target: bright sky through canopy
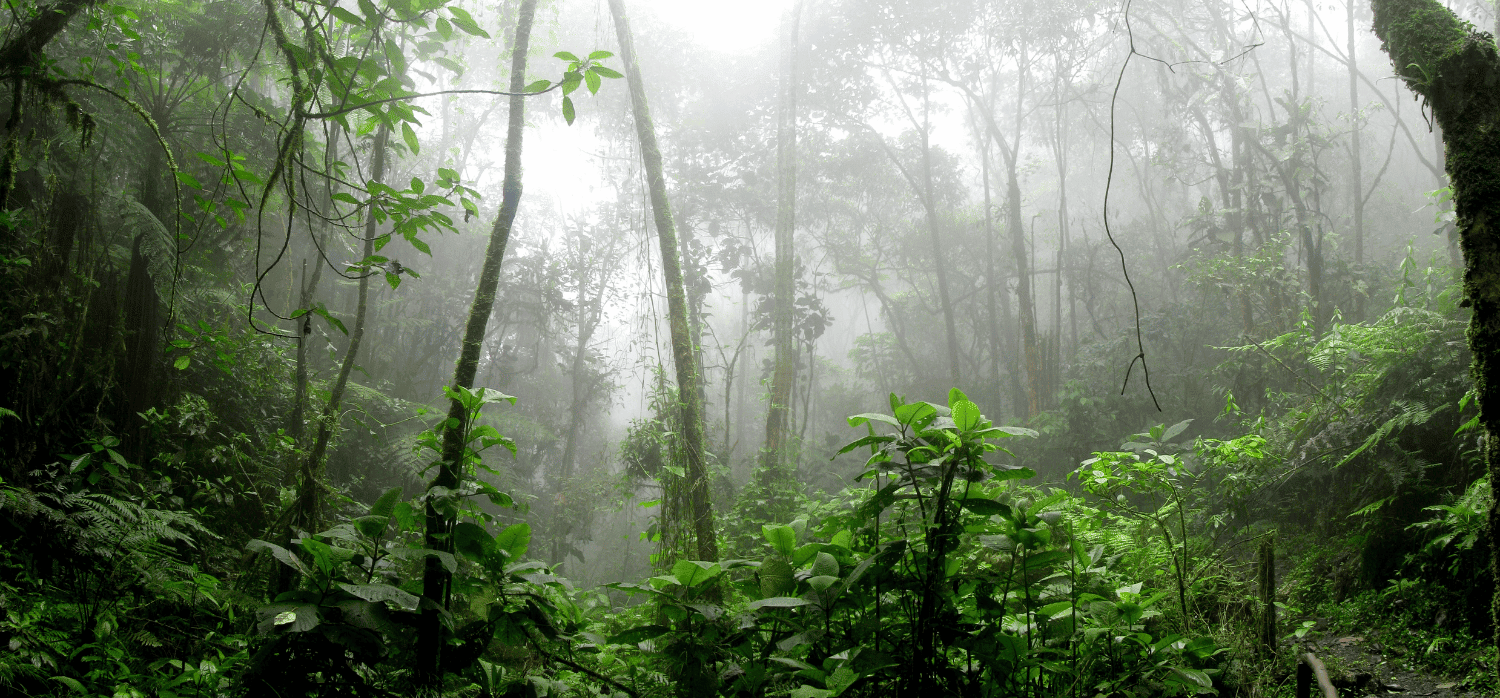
{"type": "Point", "coordinates": [730, 26]}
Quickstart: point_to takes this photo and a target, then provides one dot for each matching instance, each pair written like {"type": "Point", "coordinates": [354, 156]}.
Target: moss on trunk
{"type": "Point", "coordinates": [1455, 68]}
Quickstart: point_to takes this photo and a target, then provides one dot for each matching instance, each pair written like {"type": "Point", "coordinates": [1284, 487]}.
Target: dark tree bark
{"type": "Point", "coordinates": [435, 578]}
{"type": "Point", "coordinates": [1457, 70]}
{"type": "Point", "coordinates": [683, 352]}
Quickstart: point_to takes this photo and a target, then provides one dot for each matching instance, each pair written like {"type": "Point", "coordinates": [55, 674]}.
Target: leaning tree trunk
{"type": "Point", "coordinates": [1457, 70]}
{"type": "Point", "coordinates": [682, 346]}
{"type": "Point", "coordinates": [435, 578]}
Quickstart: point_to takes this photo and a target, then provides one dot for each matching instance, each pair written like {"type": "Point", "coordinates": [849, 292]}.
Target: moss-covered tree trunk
{"type": "Point", "coordinates": [776, 467]}
{"type": "Point", "coordinates": [435, 578]}
{"type": "Point", "coordinates": [683, 351]}
{"type": "Point", "coordinates": [1456, 69]}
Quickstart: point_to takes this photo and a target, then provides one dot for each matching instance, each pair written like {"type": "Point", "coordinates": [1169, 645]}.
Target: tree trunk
{"type": "Point", "coordinates": [295, 424]}
{"type": "Point", "coordinates": [435, 578]}
{"type": "Point", "coordinates": [783, 315]}
{"type": "Point", "coordinates": [682, 349]}
{"type": "Point", "coordinates": [940, 262]}
{"type": "Point", "coordinates": [1456, 69]}
{"type": "Point", "coordinates": [307, 514]}
{"type": "Point", "coordinates": [1356, 175]}
{"type": "Point", "coordinates": [992, 278]}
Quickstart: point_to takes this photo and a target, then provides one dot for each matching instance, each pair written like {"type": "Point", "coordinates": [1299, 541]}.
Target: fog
{"type": "Point", "coordinates": [1163, 227]}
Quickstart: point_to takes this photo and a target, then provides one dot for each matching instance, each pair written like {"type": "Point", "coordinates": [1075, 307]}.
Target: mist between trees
{"type": "Point", "coordinates": [815, 348]}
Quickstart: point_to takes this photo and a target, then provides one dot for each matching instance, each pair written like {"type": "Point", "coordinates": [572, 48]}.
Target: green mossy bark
{"type": "Point", "coordinates": [1455, 68]}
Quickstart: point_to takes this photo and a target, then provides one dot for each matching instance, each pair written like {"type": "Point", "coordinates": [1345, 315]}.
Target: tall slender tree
{"type": "Point", "coordinates": [435, 579]}
{"type": "Point", "coordinates": [784, 296]}
{"type": "Point", "coordinates": [684, 354]}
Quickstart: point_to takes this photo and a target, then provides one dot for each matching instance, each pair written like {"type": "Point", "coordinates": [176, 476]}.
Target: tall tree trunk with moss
{"type": "Point", "coordinates": [683, 352]}
{"type": "Point", "coordinates": [436, 579]}
{"type": "Point", "coordinates": [1457, 71]}
{"type": "Point", "coordinates": [776, 463]}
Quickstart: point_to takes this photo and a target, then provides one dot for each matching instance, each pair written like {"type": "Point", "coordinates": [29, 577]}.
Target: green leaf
{"type": "Point", "coordinates": [638, 635]}
{"type": "Point", "coordinates": [514, 540]}
{"type": "Point", "coordinates": [825, 566]}
{"type": "Point", "coordinates": [472, 541]}
{"type": "Point", "coordinates": [776, 602]}
{"type": "Point", "coordinates": [592, 80]}
{"type": "Point", "coordinates": [916, 414]}
{"type": "Point", "coordinates": [347, 16]}
{"type": "Point", "coordinates": [188, 179]}
{"type": "Point", "coordinates": [606, 72]}
{"type": "Point", "coordinates": [600, 55]}
{"type": "Point", "coordinates": [71, 683]}
{"type": "Point", "coordinates": [464, 21]}
{"type": "Point", "coordinates": [383, 593]}
{"type": "Point", "coordinates": [564, 55]}
{"type": "Point", "coordinates": [965, 415]}
{"type": "Point", "coordinates": [782, 538]}
{"type": "Point", "coordinates": [409, 136]}
{"type": "Point", "coordinates": [387, 502]}
{"type": "Point", "coordinates": [776, 576]}
{"type": "Point", "coordinates": [1175, 429]}
{"type": "Point", "coordinates": [1055, 609]}
{"type": "Point", "coordinates": [859, 419]}
{"type": "Point", "coordinates": [1013, 473]}
{"type": "Point", "coordinates": [1190, 677]}
{"type": "Point", "coordinates": [281, 554]}
{"type": "Point", "coordinates": [871, 440]}
{"type": "Point", "coordinates": [371, 526]}
{"type": "Point", "coordinates": [181, 363]}
{"type": "Point", "coordinates": [691, 573]}
{"type": "Point", "coordinates": [538, 86]}
{"type": "Point", "coordinates": [567, 110]}
{"type": "Point", "coordinates": [986, 507]}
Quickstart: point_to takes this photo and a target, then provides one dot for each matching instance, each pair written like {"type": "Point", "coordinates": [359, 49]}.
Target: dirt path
{"type": "Point", "coordinates": [1362, 666]}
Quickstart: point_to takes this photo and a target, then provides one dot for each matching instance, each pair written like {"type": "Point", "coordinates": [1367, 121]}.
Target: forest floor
{"type": "Point", "coordinates": [1362, 665]}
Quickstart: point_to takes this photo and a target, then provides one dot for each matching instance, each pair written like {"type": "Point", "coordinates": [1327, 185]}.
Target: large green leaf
{"type": "Point", "coordinates": [966, 415]}
{"type": "Point", "coordinates": [381, 593]}
{"type": "Point", "coordinates": [776, 576]}
{"type": "Point", "coordinates": [691, 573]}
{"type": "Point", "coordinates": [777, 602]}
{"type": "Point", "coordinates": [514, 540]}
{"type": "Point", "coordinates": [825, 566]}
{"type": "Point", "coordinates": [781, 537]}
{"type": "Point", "coordinates": [472, 541]}
{"type": "Point", "coordinates": [282, 554]}
{"type": "Point", "coordinates": [986, 507]}
{"type": "Point", "coordinates": [859, 419]}
{"type": "Point", "coordinates": [916, 414]}
{"type": "Point", "coordinates": [387, 502]}
{"type": "Point", "coordinates": [410, 137]}
{"type": "Point", "coordinates": [639, 634]}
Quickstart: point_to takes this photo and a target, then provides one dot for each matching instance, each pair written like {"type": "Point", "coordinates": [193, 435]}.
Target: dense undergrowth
{"type": "Point", "coordinates": [138, 566]}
